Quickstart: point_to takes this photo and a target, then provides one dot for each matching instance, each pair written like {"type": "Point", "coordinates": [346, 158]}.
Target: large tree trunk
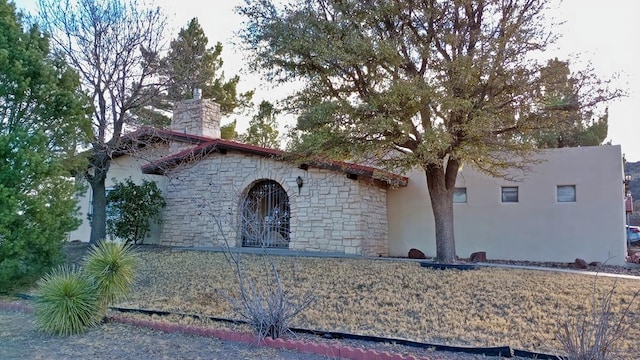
{"type": "Point", "coordinates": [441, 184]}
{"type": "Point", "coordinates": [100, 164]}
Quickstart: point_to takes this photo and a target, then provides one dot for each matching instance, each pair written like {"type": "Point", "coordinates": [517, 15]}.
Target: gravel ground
{"type": "Point", "coordinates": [21, 340]}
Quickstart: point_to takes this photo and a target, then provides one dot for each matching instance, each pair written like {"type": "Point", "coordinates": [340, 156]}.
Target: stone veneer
{"type": "Point", "coordinates": [332, 213]}
{"type": "Point", "coordinates": [195, 117]}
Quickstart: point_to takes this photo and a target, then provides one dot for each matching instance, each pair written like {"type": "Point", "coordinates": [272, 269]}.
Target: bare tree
{"type": "Point", "coordinates": [114, 45]}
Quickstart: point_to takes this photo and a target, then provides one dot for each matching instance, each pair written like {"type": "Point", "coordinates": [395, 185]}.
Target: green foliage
{"type": "Point", "coordinates": [428, 84]}
{"type": "Point", "coordinates": [190, 64]}
{"type": "Point", "coordinates": [228, 131]}
{"type": "Point", "coordinates": [67, 301]}
{"type": "Point", "coordinates": [132, 208]}
{"type": "Point", "coordinates": [112, 266]}
{"type": "Point", "coordinates": [572, 125]}
{"type": "Point", "coordinates": [70, 299]}
{"type": "Point", "coordinates": [262, 129]}
{"type": "Point", "coordinates": [43, 120]}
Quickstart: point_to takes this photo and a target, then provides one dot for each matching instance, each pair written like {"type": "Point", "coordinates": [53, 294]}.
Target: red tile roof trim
{"type": "Point", "coordinates": [205, 146]}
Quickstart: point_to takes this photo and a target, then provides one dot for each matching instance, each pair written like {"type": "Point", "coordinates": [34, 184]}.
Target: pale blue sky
{"type": "Point", "coordinates": [603, 33]}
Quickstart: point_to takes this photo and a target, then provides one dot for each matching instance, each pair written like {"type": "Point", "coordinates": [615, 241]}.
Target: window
{"type": "Point", "coordinates": [566, 193]}
{"type": "Point", "coordinates": [107, 190]}
{"type": "Point", "coordinates": [509, 194]}
{"type": "Point", "coordinates": [111, 213]}
{"type": "Point", "coordinates": [460, 195]}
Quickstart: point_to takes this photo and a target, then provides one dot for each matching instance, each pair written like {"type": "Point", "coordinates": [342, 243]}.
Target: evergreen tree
{"type": "Point", "coordinates": [189, 65]}
{"type": "Point", "coordinates": [44, 118]}
{"type": "Point", "coordinates": [571, 125]}
{"type": "Point", "coordinates": [263, 127]}
{"type": "Point", "coordinates": [228, 131]}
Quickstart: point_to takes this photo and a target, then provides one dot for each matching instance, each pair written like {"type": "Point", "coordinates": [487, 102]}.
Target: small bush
{"type": "Point", "coordinates": [67, 301]}
{"type": "Point", "coordinates": [112, 266]}
{"type": "Point", "coordinates": [269, 310]}
{"type": "Point", "coordinates": [131, 208]}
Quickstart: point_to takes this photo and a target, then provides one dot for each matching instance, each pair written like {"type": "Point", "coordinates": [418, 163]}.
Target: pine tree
{"type": "Point", "coordinates": [191, 64]}
{"type": "Point", "coordinates": [44, 117]}
{"type": "Point", "coordinates": [263, 127]}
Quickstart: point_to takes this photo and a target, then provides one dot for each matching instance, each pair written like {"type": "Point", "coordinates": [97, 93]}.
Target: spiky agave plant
{"type": "Point", "coordinates": [112, 266]}
{"type": "Point", "coordinates": [67, 301]}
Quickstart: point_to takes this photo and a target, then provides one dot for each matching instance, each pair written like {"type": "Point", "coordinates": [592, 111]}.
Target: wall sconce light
{"type": "Point", "coordinates": [626, 182]}
{"type": "Point", "coordinates": [300, 182]}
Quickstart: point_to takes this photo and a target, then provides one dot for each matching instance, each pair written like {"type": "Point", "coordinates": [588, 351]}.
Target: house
{"type": "Point", "coordinates": [217, 191]}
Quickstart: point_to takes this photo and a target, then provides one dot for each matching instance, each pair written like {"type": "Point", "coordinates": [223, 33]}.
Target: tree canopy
{"type": "Point", "coordinates": [429, 84]}
{"type": "Point", "coordinates": [573, 123]}
{"type": "Point", "coordinates": [190, 64]}
{"type": "Point", "coordinates": [44, 118]}
{"type": "Point", "coordinates": [263, 128]}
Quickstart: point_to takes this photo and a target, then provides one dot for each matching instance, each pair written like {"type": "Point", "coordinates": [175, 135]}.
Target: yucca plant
{"type": "Point", "coordinates": [67, 301]}
{"type": "Point", "coordinates": [112, 266]}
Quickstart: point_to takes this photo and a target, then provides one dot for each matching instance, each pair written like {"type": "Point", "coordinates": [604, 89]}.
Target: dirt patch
{"type": "Point", "coordinates": [21, 340]}
{"type": "Point", "coordinates": [74, 252]}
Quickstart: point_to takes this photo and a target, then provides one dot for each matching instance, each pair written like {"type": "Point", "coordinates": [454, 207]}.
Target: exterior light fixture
{"type": "Point", "coordinates": [626, 182]}
{"type": "Point", "coordinates": [300, 182]}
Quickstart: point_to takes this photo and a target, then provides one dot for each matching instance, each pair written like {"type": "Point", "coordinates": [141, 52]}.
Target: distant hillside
{"type": "Point", "coordinates": [633, 169]}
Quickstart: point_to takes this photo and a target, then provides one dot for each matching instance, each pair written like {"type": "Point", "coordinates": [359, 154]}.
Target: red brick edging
{"type": "Point", "coordinates": [335, 351]}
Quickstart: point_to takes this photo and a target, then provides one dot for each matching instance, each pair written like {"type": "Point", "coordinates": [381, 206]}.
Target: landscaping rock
{"type": "Point", "coordinates": [580, 264]}
{"type": "Point", "coordinates": [416, 254]}
{"type": "Point", "coordinates": [634, 257]}
{"type": "Point", "coordinates": [479, 256]}
{"type": "Point", "coordinates": [595, 263]}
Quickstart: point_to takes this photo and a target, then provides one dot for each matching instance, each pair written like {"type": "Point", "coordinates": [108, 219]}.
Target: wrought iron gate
{"type": "Point", "coordinates": [266, 216]}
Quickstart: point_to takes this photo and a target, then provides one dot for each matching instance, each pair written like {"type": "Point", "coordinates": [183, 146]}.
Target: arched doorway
{"type": "Point", "coordinates": [266, 216]}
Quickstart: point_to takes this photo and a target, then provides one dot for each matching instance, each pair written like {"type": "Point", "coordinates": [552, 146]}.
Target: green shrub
{"type": "Point", "coordinates": [131, 208]}
{"type": "Point", "coordinates": [67, 301]}
{"type": "Point", "coordinates": [112, 266]}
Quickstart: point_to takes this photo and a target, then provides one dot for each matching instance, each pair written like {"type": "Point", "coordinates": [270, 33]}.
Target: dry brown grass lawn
{"type": "Point", "coordinates": [485, 307]}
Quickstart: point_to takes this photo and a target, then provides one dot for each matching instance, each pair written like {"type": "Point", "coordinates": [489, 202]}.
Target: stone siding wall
{"type": "Point", "coordinates": [331, 213]}
{"type": "Point", "coordinates": [196, 117]}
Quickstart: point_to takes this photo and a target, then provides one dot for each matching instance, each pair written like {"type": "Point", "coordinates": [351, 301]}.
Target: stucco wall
{"type": "Point", "coordinates": [537, 228]}
{"type": "Point", "coordinates": [121, 168]}
{"type": "Point", "coordinates": [332, 213]}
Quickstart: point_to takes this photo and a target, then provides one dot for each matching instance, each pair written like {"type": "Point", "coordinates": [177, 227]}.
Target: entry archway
{"type": "Point", "coordinates": [266, 216]}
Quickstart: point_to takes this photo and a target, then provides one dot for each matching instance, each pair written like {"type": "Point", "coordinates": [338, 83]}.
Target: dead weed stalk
{"type": "Point", "coordinates": [596, 333]}
{"type": "Point", "coordinates": [266, 305]}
